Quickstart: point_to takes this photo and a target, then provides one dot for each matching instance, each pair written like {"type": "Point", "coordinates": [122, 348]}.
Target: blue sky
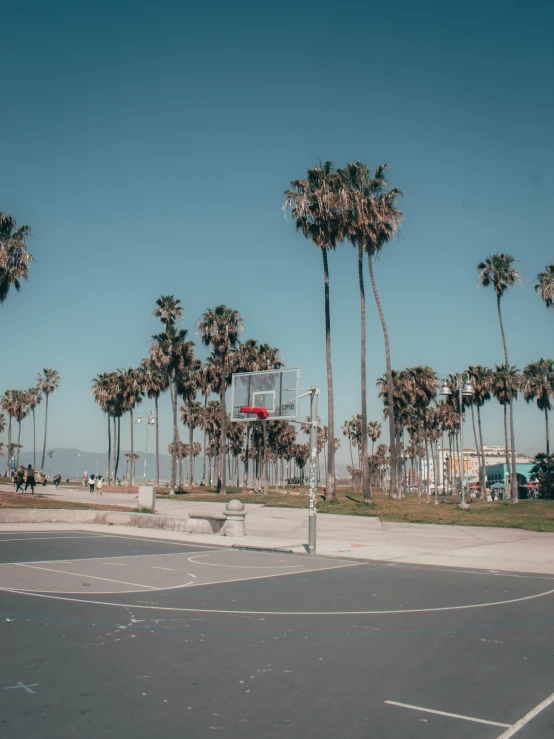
{"type": "Point", "coordinates": [148, 146]}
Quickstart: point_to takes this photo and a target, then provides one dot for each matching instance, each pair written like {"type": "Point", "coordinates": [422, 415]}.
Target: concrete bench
{"type": "Point", "coordinates": [206, 523]}
{"type": "Point", "coordinates": [230, 523]}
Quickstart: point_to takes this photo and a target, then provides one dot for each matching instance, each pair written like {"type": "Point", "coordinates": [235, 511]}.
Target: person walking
{"type": "Point", "coordinates": [18, 479]}
{"type": "Point", "coordinates": [30, 480]}
{"type": "Point", "coordinates": [91, 484]}
{"type": "Point", "coordinates": [99, 483]}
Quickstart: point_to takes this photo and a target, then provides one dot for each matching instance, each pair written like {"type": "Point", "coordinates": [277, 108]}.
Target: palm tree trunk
{"type": "Point", "coordinates": [246, 460]}
{"type": "Point", "coordinates": [366, 482]}
{"type": "Point", "coordinates": [173, 481]}
{"type": "Point", "coordinates": [507, 453]}
{"type": "Point", "coordinates": [223, 437]}
{"type": "Point", "coordinates": [157, 441]}
{"type": "Point", "coordinates": [45, 430]}
{"type": "Point", "coordinates": [177, 437]}
{"type": "Point", "coordinates": [18, 440]}
{"type": "Point", "coordinates": [483, 466]}
{"type": "Point", "coordinates": [204, 458]}
{"type": "Point", "coordinates": [515, 494]}
{"type": "Point", "coordinates": [393, 485]}
{"type": "Point", "coordinates": [330, 493]}
{"type": "Point", "coordinates": [109, 450]}
{"type": "Point", "coordinates": [191, 437]}
{"type": "Point", "coordinates": [133, 445]}
{"type": "Point", "coordinates": [547, 434]}
{"type": "Point", "coordinates": [118, 446]}
{"type": "Point", "coordinates": [114, 445]}
{"type": "Point", "coordinates": [34, 442]}
{"type": "Point", "coordinates": [478, 450]}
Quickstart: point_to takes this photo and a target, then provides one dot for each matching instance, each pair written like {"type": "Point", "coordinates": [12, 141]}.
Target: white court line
{"type": "Point", "coordinates": [244, 567]}
{"type": "Point", "coordinates": [162, 568]}
{"type": "Point", "coordinates": [528, 717]}
{"type": "Point", "coordinates": [47, 595]}
{"type": "Point", "coordinates": [93, 559]}
{"type": "Point", "coordinates": [191, 574]}
{"type": "Point", "coordinates": [48, 538]}
{"type": "Point", "coordinates": [274, 613]}
{"type": "Point", "coordinates": [80, 574]}
{"type": "Point", "coordinates": [450, 715]}
{"type": "Point", "coordinates": [115, 564]}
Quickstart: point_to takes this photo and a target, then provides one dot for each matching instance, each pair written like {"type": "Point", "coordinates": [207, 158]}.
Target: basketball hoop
{"type": "Point", "coordinates": [260, 412]}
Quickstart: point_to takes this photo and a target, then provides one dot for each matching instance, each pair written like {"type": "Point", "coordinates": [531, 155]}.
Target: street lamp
{"type": "Point", "coordinates": [77, 475]}
{"type": "Point", "coordinates": [50, 454]}
{"type": "Point", "coordinates": [462, 383]}
{"type": "Point", "coordinates": [96, 470]}
{"type": "Point", "coordinates": [150, 421]}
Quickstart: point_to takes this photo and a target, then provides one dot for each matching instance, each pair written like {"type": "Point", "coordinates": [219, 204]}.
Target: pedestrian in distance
{"type": "Point", "coordinates": [91, 484]}
{"type": "Point", "coordinates": [30, 480]}
{"type": "Point", "coordinates": [85, 478]}
{"type": "Point", "coordinates": [18, 479]}
{"type": "Point", "coordinates": [99, 483]}
{"type": "Point", "coordinates": [57, 480]}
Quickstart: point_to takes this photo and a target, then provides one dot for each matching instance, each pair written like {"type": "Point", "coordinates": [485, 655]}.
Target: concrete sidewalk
{"type": "Point", "coordinates": [359, 537]}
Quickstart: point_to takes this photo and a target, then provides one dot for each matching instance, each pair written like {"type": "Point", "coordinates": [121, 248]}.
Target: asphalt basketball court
{"type": "Point", "coordinates": [129, 637]}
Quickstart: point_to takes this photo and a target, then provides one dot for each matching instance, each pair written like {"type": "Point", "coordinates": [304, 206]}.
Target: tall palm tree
{"type": "Point", "coordinates": [359, 191]}
{"type": "Point", "coordinates": [101, 392]}
{"type": "Point", "coordinates": [8, 402]}
{"type": "Point", "coordinates": [505, 386]}
{"type": "Point", "coordinates": [34, 396]}
{"type": "Point", "coordinates": [545, 285]}
{"type": "Point", "coordinates": [191, 415]}
{"type": "Point", "coordinates": [481, 378]}
{"type": "Point", "coordinates": [21, 412]}
{"type": "Point", "coordinates": [155, 383]}
{"type": "Point", "coordinates": [172, 354]}
{"type": "Point", "coordinates": [220, 328]}
{"type": "Point", "coordinates": [316, 209]}
{"type": "Point", "coordinates": [15, 260]}
{"type": "Point", "coordinates": [538, 384]}
{"type": "Point", "coordinates": [204, 385]}
{"type": "Point", "coordinates": [133, 391]}
{"type": "Point", "coordinates": [499, 272]}
{"type": "Point", "coordinates": [47, 384]}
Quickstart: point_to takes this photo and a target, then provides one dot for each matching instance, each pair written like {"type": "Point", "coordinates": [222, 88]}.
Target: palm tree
{"type": "Point", "coordinates": [482, 379]}
{"type": "Point", "coordinates": [538, 384]}
{"type": "Point", "coordinates": [8, 403]}
{"type": "Point", "coordinates": [133, 391]}
{"type": "Point", "coordinates": [545, 286]}
{"type": "Point", "coordinates": [192, 415]}
{"type": "Point", "coordinates": [316, 209]}
{"type": "Point", "coordinates": [359, 191]}
{"type": "Point", "coordinates": [498, 270]}
{"type": "Point", "coordinates": [47, 384]}
{"type": "Point", "coordinates": [100, 391]}
{"type": "Point", "coordinates": [34, 397]}
{"type": "Point", "coordinates": [220, 328]}
{"type": "Point", "coordinates": [505, 386]}
{"type": "Point", "coordinates": [21, 412]}
{"type": "Point", "coordinates": [155, 383]}
{"type": "Point", "coordinates": [15, 260]}
{"type": "Point", "coordinates": [132, 460]}
{"type": "Point", "coordinates": [172, 355]}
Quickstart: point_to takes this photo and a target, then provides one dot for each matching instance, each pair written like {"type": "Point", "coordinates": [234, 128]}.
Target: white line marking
{"type": "Point", "coordinates": [162, 568]}
{"type": "Point", "coordinates": [528, 717]}
{"type": "Point", "coordinates": [444, 713]}
{"type": "Point", "coordinates": [80, 574]}
{"type": "Point", "coordinates": [92, 559]}
{"type": "Point", "coordinates": [115, 564]}
{"type": "Point", "coordinates": [191, 574]}
{"type": "Point", "coordinates": [278, 613]}
{"type": "Point", "coordinates": [243, 567]}
{"type": "Point", "coordinates": [48, 538]}
{"type": "Point", "coordinates": [37, 594]}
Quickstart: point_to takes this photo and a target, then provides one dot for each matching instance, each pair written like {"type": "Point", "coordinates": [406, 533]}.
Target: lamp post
{"type": "Point", "coordinates": [77, 475]}
{"type": "Point", "coordinates": [150, 421]}
{"type": "Point", "coordinates": [462, 383]}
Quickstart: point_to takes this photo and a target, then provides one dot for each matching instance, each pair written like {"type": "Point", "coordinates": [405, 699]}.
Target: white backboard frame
{"type": "Point", "coordinates": [281, 383]}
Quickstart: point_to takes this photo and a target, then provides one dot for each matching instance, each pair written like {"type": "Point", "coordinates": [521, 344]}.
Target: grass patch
{"type": "Point", "coordinates": [531, 515]}
{"type": "Point", "coordinates": [11, 500]}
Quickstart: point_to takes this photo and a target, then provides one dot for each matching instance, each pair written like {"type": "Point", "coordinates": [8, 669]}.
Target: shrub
{"type": "Point", "coordinates": [543, 473]}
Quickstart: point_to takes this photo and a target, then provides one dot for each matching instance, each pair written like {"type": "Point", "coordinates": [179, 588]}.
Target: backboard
{"type": "Point", "coordinates": [277, 391]}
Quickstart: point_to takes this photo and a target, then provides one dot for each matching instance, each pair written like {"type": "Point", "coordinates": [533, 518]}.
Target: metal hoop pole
{"type": "Point", "coordinates": [313, 472]}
